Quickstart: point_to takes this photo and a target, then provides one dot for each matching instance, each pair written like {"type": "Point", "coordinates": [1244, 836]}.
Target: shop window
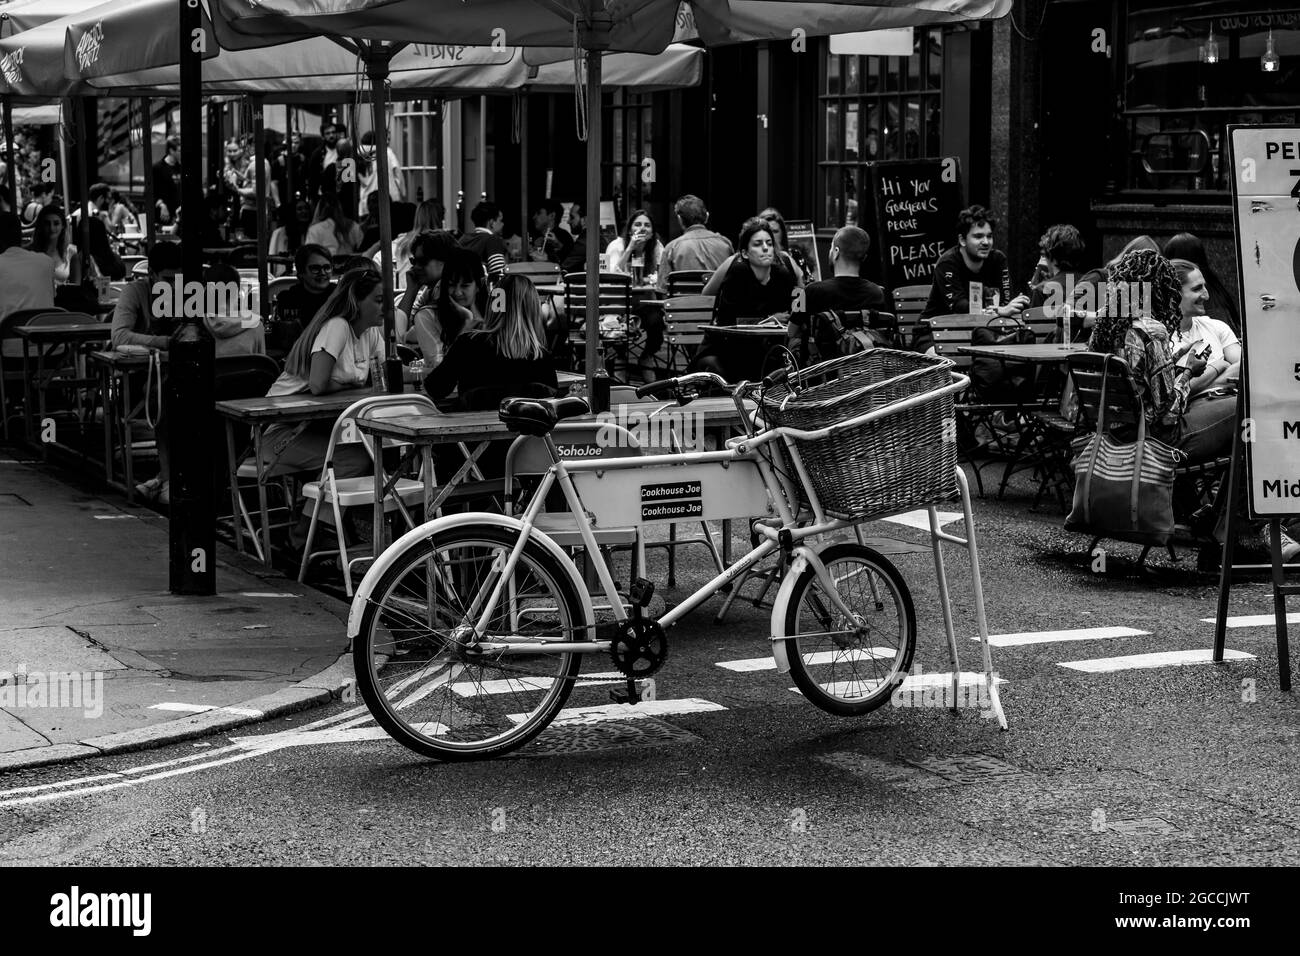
{"type": "Point", "coordinates": [875, 108]}
{"type": "Point", "coordinates": [1190, 70]}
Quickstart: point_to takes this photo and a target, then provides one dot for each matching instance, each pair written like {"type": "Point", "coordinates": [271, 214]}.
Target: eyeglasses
{"type": "Point", "coordinates": [320, 270]}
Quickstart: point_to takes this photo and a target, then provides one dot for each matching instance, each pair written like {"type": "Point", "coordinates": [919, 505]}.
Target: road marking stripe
{"type": "Point", "coordinates": [920, 519]}
{"type": "Point", "coordinates": [820, 657]}
{"type": "Point", "coordinates": [1102, 665]}
{"type": "Point", "coordinates": [647, 708]}
{"type": "Point", "coordinates": [267, 594]}
{"type": "Point", "coordinates": [911, 682]}
{"type": "Point", "coordinates": [1255, 620]}
{"type": "Point", "coordinates": [1049, 637]}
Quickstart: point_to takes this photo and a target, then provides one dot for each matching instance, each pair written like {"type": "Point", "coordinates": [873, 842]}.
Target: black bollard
{"type": "Point", "coordinates": [188, 409]}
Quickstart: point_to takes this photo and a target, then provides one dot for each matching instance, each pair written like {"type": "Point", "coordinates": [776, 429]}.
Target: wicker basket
{"type": "Point", "coordinates": [885, 466]}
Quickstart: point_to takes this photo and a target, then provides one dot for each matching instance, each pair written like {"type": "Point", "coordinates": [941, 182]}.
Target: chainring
{"type": "Point", "coordinates": [639, 649]}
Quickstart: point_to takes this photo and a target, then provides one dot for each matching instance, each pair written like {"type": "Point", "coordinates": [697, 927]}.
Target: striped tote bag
{"type": "Point", "coordinates": [1123, 490]}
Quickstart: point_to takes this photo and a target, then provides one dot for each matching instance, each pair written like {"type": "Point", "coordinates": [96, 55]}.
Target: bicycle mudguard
{"type": "Point", "coordinates": [448, 522]}
{"type": "Point", "coordinates": [779, 608]}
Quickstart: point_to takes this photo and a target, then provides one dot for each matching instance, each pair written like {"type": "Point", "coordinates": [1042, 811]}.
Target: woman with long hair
{"type": "Point", "coordinates": [772, 216]}
{"type": "Point", "coordinates": [1220, 305]}
{"type": "Point", "coordinates": [639, 241]}
{"type": "Point", "coordinates": [332, 228]}
{"type": "Point", "coordinates": [333, 353]}
{"type": "Point", "coordinates": [461, 306]}
{"type": "Point", "coordinates": [51, 238]}
{"type": "Point", "coordinates": [506, 355]}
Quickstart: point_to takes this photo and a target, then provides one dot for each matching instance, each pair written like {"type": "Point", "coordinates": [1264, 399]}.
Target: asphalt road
{"type": "Point", "coordinates": [1160, 765]}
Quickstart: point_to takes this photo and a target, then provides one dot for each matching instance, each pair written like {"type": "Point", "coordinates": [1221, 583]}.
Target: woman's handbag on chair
{"type": "Point", "coordinates": [1123, 490]}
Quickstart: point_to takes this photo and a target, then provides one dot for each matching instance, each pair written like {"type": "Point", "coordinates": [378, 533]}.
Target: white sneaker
{"type": "Point", "coordinates": [1290, 548]}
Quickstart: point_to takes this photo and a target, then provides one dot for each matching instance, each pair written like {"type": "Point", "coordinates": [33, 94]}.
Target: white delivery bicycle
{"type": "Point", "coordinates": [469, 631]}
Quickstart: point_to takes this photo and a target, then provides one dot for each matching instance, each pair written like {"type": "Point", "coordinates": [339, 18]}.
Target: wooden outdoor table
{"type": "Point", "coordinates": [47, 338]}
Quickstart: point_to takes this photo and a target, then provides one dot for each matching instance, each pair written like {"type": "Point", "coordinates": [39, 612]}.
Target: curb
{"type": "Point", "coordinates": [320, 688]}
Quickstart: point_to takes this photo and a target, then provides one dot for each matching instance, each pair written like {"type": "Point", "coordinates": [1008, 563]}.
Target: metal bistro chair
{"type": "Point", "coordinates": [1124, 407]}
{"type": "Point", "coordinates": [909, 303]}
{"type": "Point", "coordinates": [11, 360]}
{"type": "Point", "coordinates": [63, 366]}
{"type": "Point", "coordinates": [538, 273]}
{"type": "Point", "coordinates": [244, 376]}
{"type": "Point", "coordinates": [682, 337]}
{"type": "Point", "coordinates": [688, 281]}
{"type": "Point", "coordinates": [340, 493]}
{"type": "Point", "coordinates": [614, 299]}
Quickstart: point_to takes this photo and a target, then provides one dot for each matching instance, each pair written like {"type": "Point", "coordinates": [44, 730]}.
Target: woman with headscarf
{"type": "Point", "coordinates": [1141, 317]}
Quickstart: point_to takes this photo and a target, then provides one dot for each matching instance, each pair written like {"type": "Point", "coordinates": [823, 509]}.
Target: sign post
{"type": "Point", "coordinates": [1266, 219]}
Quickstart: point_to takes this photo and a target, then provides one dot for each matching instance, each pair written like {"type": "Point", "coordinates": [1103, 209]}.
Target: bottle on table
{"type": "Point", "coordinates": [600, 383]}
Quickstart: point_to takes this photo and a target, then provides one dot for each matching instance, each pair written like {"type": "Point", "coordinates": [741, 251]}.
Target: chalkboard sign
{"type": "Point", "coordinates": [912, 217]}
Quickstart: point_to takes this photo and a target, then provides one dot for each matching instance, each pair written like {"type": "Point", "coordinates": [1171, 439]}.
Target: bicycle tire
{"type": "Point", "coordinates": [803, 657]}
{"type": "Point", "coordinates": [377, 631]}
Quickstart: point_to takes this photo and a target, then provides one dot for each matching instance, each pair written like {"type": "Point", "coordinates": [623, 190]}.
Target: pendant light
{"type": "Point", "coordinates": [1270, 62]}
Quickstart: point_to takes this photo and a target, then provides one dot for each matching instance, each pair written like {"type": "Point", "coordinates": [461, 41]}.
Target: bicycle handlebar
{"type": "Point", "coordinates": [673, 386]}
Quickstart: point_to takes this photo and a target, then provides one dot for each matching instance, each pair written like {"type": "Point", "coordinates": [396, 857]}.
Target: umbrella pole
{"type": "Point", "coordinates": [11, 172]}
{"type": "Point", "coordinates": [377, 58]}
{"type": "Point", "coordinates": [83, 183]}
{"type": "Point", "coordinates": [592, 333]}
{"type": "Point", "coordinates": [263, 221]}
{"type": "Point", "coordinates": [189, 387]}
{"type": "Point", "coordinates": [523, 173]}
{"type": "Point", "coordinates": [146, 143]}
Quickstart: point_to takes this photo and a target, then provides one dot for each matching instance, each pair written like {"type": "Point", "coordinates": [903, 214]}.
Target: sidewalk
{"type": "Point", "coordinates": [112, 660]}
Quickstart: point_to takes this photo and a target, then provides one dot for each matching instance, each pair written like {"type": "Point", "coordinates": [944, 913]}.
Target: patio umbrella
{"type": "Point", "coordinates": [585, 27]}
{"type": "Point", "coordinates": [28, 14]}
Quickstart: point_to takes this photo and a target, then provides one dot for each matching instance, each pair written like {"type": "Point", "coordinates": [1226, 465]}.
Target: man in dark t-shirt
{"type": "Point", "coordinates": [973, 268]}
{"type": "Point", "coordinates": [847, 290]}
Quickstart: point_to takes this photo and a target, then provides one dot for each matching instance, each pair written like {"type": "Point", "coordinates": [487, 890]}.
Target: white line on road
{"type": "Point", "coordinates": [911, 682]}
{"type": "Point", "coordinates": [920, 519]}
{"type": "Point", "coordinates": [267, 594]}
{"type": "Point", "coordinates": [647, 708]}
{"type": "Point", "coordinates": [1255, 620]}
{"type": "Point", "coordinates": [1049, 637]}
{"type": "Point", "coordinates": [820, 657]}
{"type": "Point", "coordinates": [1103, 665]}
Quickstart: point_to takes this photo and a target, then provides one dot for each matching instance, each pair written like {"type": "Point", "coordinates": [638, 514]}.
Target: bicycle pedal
{"type": "Point", "coordinates": [633, 692]}
{"type": "Point", "coordinates": [641, 591]}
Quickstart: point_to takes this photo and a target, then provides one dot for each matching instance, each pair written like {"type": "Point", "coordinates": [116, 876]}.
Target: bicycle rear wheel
{"type": "Point", "coordinates": [433, 688]}
{"type": "Point", "coordinates": [850, 666]}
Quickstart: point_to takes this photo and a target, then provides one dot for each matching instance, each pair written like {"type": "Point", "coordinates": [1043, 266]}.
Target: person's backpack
{"type": "Point", "coordinates": [819, 336]}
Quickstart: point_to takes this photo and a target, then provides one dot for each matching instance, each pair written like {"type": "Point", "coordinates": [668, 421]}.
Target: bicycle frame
{"type": "Point", "coordinates": [746, 449]}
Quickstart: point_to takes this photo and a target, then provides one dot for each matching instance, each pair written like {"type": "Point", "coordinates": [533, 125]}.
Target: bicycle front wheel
{"type": "Point", "coordinates": [429, 683]}
{"type": "Point", "coordinates": [849, 665]}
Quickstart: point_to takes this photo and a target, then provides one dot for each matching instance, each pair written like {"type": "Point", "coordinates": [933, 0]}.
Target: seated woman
{"type": "Point", "coordinates": [459, 307]}
{"type": "Point", "coordinates": [51, 238]}
{"type": "Point", "coordinates": [755, 284]}
{"type": "Point", "coordinates": [286, 239]}
{"type": "Point", "coordinates": [1224, 361]}
{"type": "Point", "coordinates": [1163, 374]}
{"type": "Point", "coordinates": [639, 246]}
{"type": "Point", "coordinates": [507, 353]}
{"type": "Point", "coordinates": [333, 353]}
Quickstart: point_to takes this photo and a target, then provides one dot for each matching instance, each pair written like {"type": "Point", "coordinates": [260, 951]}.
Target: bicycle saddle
{"type": "Point", "coordinates": [537, 416]}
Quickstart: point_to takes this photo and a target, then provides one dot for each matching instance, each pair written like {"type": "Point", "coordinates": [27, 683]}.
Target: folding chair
{"type": "Point", "coordinates": [340, 493]}
{"type": "Point", "coordinates": [682, 337]}
{"type": "Point", "coordinates": [11, 357]}
{"type": "Point", "coordinates": [538, 273]}
{"type": "Point", "coordinates": [614, 299]}
{"type": "Point", "coordinates": [909, 303]}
